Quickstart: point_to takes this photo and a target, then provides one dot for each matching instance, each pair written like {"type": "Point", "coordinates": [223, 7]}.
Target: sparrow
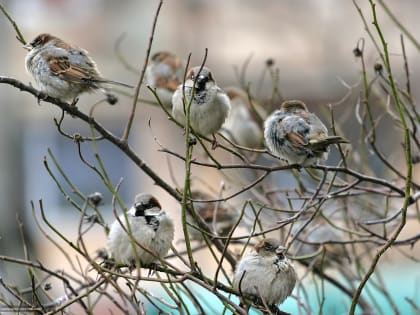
{"type": "Point", "coordinates": [240, 125]}
{"type": "Point", "coordinates": [218, 218]}
{"type": "Point", "coordinates": [298, 136]}
{"type": "Point", "coordinates": [150, 226]}
{"type": "Point", "coordinates": [265, 273]}
{"type": "Point", "coordinates": [209, 104]}
{"type": "Point", "coordinates": [164, 73]}
{"type": "Point", "coordinates": [65, 71]}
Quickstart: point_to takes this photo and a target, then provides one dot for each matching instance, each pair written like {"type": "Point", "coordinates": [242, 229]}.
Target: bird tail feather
{"type": "Point", "coordinates": [115, 83]}
{"type": "Point", "coordinates": [322, 145]}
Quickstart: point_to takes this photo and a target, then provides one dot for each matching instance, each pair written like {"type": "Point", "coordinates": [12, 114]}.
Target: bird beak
{"type": "Point", "coordinates": [28, 47]}
{"type": "Point", "coordinates": [280, 250]}
{"type": "Point", "coordinates": [133, 212]}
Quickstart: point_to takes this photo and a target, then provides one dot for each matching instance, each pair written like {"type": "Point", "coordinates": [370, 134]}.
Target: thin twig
{"type": "Point", "coordinates": [143, 71]}
{"type": "Point", "coordinates": [19, 35]}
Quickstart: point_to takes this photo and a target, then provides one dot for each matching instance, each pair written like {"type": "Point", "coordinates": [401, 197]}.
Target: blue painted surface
{"type": "Point", "coordinates": [401, 285]}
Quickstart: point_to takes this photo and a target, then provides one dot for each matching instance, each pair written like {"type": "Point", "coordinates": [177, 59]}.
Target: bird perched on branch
{"type": "Point", "coordinates": [240, 125]}
{"type": "Point", "coordinates": [164, 73]}
{"type": "Point", "coordinates": [265, 273]}
{"type": "Point", "coordinates": [298, 136]}
{"type": "Point", "coordinates": [65, 71]}
{"type": "Point", "coordinates": [150, 227]}
{"type": "Point", "coordinates": [209, 104]}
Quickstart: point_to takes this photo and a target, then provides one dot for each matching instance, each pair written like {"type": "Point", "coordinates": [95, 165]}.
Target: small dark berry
{"type": "Point", "coordinates": [378, 67]}
{"type": "Point", "coordinates": [357, 52]}
{"type": "Point", "coordinates": [269, 62]}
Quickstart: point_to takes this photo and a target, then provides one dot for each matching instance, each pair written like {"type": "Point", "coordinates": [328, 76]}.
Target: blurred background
{"type": "Point", "coordinates": [310, 42]}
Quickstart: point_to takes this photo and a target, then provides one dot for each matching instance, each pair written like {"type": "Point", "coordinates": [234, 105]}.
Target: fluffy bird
{"type": "Point", "coordinates": [150, 226]}
{"type": "Point", "coordinates": [209, 104]}
{"type": "Point", "coordinates": [240, 125]}
{"type": "Point", "coordinates": [164, 73]}
{"type": "Point", "coordinates": [65, 71]}
{"type": "Point", "coordinates": [265, 273]}
{"type": "Point", "coordinates": [218, 218]}
{"type": "Point", "coordinates": [298, 136]}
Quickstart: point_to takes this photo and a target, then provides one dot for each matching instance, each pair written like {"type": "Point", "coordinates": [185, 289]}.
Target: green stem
{"type": "Point", "coordinates": [18, 32]}
{"type": "Point", "coordinates": [407, 146]}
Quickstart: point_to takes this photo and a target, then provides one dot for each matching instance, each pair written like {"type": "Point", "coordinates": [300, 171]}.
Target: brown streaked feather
{"type": "Point", "coordinates": [328, 140]}
{"type": "Point", "coordinates": [322, 144]}
{"type": "Point", "coordinates": [296, 139]}
{"type": "Point", "coordinates": [42, 39]}
{"type": "Point", "coordinates": [66, 46]}
{"type": "Point", "coordinates": [61, 66]}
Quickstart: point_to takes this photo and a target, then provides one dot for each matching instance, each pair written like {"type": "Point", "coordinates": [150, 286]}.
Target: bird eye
{"type": "Point", "coordinates": [36, 42]}
{"type": "Point", "coordinates": [268, 247]}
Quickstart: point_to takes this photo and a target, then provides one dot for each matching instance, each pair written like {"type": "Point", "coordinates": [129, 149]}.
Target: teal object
{"type": "Point", "coordinates": [400, 285]}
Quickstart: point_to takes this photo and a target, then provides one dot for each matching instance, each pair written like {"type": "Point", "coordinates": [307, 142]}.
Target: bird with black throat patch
{"type": "Point", "coordinates": [150, 227]}
{"type": "Point", "coordinates": [209, 105]}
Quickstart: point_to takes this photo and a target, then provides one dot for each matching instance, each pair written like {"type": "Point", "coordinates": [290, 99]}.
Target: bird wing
{"type": "Point", "coordinates": [296, 139]}
{"type": "Point", "coordinates": [63, 67]}
{"type": "Point", "coordinates": [320, 145]}
{"type": "Point", "coordinates": [77, 67]}
{"type": "Point", "coordinates": [293, 128]}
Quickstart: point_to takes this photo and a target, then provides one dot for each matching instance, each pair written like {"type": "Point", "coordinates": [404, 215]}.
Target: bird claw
{"type": "Point", "coordinates": [214, 143]}
{"type": "Point", "coordinates": [152, 268]}
{"type": "Point", "coordinates": [76, 99]}
{"type": "Point", "coordinates": [41, 97]}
